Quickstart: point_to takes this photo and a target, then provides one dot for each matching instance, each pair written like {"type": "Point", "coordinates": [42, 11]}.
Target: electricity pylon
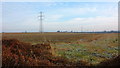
{"type": "Point", "coordinates": [41, 22]}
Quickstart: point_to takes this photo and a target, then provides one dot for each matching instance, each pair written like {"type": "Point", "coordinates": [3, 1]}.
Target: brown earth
{"type": "Point", "coordinates": [16, 53]}
{"type": "Point", "coordinates": [112, 62]}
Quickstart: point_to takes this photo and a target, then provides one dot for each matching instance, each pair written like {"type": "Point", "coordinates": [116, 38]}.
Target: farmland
{"type": "Point", "coordinates": [89, 47]}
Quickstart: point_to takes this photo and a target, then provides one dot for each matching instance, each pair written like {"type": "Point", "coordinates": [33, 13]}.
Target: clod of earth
{"type": "Point", "coordinates": [16, 53]}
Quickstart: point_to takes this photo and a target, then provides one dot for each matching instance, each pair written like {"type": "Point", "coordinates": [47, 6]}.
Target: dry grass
{"type": "Point", "coordinates": [65, 45]}
{"type": "Point", "coordinates": [49, 37]}
{"type": "Point", "coordinates": [17, 53]}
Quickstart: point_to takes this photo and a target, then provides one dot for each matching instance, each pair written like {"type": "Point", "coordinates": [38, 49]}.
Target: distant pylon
{"type": "Point", "coordinates": [81, 29]}
{"type": "Point", "coordinates": [41, 22]}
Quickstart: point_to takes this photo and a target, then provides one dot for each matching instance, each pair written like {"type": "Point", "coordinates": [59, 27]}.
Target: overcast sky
{"type": "Point", "coordinates": [63, 16]}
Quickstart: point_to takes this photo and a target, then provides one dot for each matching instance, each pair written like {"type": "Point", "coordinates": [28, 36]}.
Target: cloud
{"type": "Point", "coordinates": [95, 10]}
{"type": "Point", "coordinates": [96, 17]}
{"type": "Point", "coordinates": [76, 10]}
{"type": "Point", "coordinates": [99, 23]}
{"type": "Point", "coordinates": [53, 17]}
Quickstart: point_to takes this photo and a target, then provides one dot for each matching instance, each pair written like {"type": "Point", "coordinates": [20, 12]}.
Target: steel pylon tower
{"type": "Point", "coordinates": [41, 22]}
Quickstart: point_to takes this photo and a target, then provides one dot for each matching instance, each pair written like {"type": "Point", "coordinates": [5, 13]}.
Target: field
{"type": "Point", "coordinates": [88, 47]}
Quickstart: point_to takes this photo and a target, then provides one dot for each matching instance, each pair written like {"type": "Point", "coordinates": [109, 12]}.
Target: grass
{"type": "Point", "coordinates": [92, 48]}
{"type": "Point", "coordinates": [49, 37]}
{"type": "Point", "coordinates": [81, 52]}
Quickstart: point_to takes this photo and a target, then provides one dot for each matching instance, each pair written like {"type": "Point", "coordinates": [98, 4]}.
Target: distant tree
{"type": "Point", "coordinates": [25, 31]}
{"type": "Point", "coordinates": [105, 31]}
{"type": "Point", "coordinates": [111, 31]}
{"type": "Point", "coordinates": [65, 31]}
{"type": "Point", "coordinates": [58, 31]}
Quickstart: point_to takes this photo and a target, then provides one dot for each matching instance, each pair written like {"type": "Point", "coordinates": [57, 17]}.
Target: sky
{"type": "Point", "coordinates": [60, 0]}
{"type": "Point", "coordinates": [63, 16]}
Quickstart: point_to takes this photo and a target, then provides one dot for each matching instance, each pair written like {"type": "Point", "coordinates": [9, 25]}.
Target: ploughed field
{"type": "Point", "coordinates": [87, 47]}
